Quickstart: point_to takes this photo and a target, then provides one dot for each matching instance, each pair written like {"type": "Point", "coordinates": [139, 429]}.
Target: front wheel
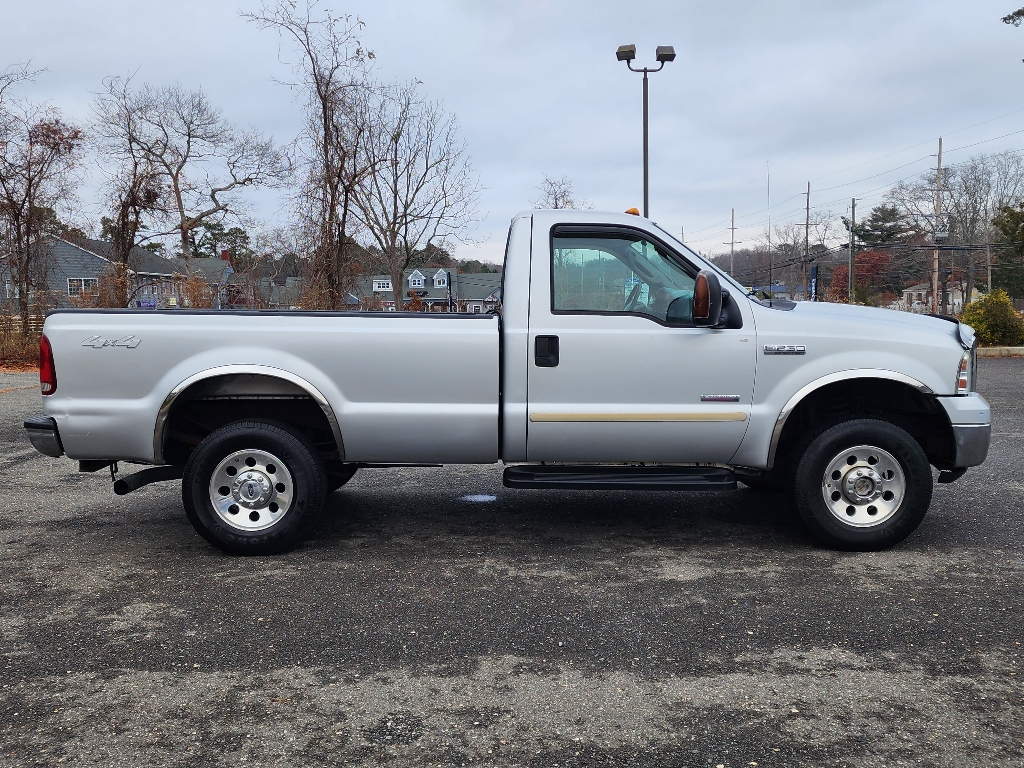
{"type": "Point", "coordinates": [253, 487]}
{"type": "Point", "coordinates": [863, 485]}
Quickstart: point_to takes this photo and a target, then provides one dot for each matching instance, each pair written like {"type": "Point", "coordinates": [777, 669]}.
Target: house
{"type": "Point", "coordinates": [74, 267]}
{"type": "Point", "coordinates": [918, 298]}
{"type": "Point", "coordinates": [478, 292]}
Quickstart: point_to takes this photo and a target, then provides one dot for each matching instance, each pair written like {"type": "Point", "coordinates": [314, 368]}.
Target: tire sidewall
{"type": "Point", "coordinates": [297, 455]}
{"type": "Point", "coordinates": [831, 442]}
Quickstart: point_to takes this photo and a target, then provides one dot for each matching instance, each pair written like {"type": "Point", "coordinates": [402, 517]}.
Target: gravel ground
{"type": "Point", "coordinates": [438, 619]}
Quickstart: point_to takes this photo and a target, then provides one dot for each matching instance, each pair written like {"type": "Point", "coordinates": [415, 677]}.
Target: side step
{"type": "Point", "coordinates": [595, 478]}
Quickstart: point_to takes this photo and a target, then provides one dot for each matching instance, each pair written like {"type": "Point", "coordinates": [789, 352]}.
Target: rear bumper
{"type": "Point", "coordinates": [44, 435]}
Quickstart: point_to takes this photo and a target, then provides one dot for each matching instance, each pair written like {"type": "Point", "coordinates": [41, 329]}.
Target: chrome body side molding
{"type": "Point", "coordinates": [224, 370]}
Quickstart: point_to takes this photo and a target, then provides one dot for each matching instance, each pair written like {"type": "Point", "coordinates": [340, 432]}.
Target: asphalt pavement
{"type": "Point", "coordinates": [436, 618]}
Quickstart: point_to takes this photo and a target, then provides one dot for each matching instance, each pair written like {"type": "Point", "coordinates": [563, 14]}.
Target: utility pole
{"type": "Point", "coordinates": [807, 240]}
{"type": "Point", "coordinates": [853, 241]}
{"type": "Point", "coordinates": [988, 262]}
{"type": "Point", "coordinates": [935, 227]}
{"type": "Point", "coordinates": [732, 244]}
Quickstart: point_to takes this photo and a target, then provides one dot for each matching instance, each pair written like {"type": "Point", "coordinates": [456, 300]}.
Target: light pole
{"type": "Point", "coordinates": [627, 53]}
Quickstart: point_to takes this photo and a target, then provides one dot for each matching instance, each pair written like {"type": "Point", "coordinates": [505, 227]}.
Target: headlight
{"type": "Point", "coordinates": [965, 374]}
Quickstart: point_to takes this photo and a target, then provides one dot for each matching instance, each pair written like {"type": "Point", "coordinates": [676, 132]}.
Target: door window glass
{"type": "Point", "coordinates": [618, 273]}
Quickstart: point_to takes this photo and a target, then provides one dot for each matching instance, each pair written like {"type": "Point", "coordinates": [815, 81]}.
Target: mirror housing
{"type": "Point", "coordinates": [707, 299]}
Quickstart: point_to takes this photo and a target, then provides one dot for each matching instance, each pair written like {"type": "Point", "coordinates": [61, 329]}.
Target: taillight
{"type": "Point", "coordinates": [47, 370]}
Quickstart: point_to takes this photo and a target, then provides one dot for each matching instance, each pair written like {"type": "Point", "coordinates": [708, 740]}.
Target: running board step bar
{"type": "Point", "coordinates": [591, 478]}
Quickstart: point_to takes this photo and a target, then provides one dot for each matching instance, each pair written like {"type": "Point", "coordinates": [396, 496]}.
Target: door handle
{"type": "Point", "coordinates": [545, 351]}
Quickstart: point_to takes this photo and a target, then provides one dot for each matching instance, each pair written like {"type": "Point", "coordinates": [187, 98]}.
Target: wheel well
{"type": "Point", "coordinates": [891, 401]}
{"type": "Point", "coordinates": [211, 403]}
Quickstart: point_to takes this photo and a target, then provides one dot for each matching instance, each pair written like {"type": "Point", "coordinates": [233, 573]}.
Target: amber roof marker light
{"type": "Point", "coordinates": [663, 54]}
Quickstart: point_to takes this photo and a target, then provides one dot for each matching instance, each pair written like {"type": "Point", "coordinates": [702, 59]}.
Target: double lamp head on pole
{"type": "Point", "coordinates": [627, 53]}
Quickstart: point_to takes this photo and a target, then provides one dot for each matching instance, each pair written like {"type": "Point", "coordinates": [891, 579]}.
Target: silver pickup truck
{"type": "Point", "coordinates": [620, 359]}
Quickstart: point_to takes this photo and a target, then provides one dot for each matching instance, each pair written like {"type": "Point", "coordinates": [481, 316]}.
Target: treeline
{"type": "Point", "coordinates": [980, 233]}
{"type": "Point", "coordinates": [377, 180]}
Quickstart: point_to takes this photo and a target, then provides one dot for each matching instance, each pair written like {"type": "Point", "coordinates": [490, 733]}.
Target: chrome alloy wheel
{"type": "Point", "coordinates": [863, 486]}
{"type": "Point", "coordinates": [251, 490]}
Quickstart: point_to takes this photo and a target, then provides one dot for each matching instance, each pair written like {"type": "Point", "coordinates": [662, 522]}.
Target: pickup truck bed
{"type": "Point", "coordinates": [409, 388]}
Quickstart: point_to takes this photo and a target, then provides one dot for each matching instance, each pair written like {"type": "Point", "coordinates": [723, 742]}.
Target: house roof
{"type": "Point", "coordinates": [141, 260]}
{"type": "Point", "coordinates": [145, 262]}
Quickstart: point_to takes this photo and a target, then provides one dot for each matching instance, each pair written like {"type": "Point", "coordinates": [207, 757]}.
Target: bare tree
{"type": "Point", "coordinates": [203, 160]}
{"type": "Point", "coordinates": [972, 193]}
{"type": "Point", "coordinates": [423, 189]}
{"type": "Point", "coordinates": [331, 72]}
{"type": "Point", "coordinates": [135, 190]}
{"type": "Point", "coordinates": [39, 151]}
{"type": "Point", "coordinates": [14, 74]}
{"type": "Point", "coordinates": [557, 194]}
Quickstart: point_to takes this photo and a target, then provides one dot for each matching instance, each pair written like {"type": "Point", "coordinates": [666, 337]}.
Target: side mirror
{"type": "Point", "coordinates": [707, 299]}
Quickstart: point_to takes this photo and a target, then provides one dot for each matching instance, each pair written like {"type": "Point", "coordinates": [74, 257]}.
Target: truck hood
{"type": "Point", "coordinates": [883, 318]}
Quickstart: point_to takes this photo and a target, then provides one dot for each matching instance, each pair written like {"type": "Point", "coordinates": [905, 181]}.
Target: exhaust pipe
{"type": "Point", "coordinates": [133, 482]}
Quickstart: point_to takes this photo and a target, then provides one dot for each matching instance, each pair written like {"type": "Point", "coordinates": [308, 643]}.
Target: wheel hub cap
{"type": "Point", "coordinates": [251, 490]}
{"type": "Point", "coordinates": [863, 486]}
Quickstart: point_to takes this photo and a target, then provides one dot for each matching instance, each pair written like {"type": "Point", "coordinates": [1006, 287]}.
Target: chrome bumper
{"type": "Point", "coordinates": [971, 420]}
{"type": "Point", "coordinates": [43, 434]}
{"type": "Point", "coordinates": [971, 443]}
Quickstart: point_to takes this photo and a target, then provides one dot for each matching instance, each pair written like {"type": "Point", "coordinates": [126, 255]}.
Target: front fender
{"type": "Point", "coordinates": [768, 419]}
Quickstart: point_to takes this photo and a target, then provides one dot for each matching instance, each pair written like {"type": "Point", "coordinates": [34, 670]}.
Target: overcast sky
{"type": "Point", "coordinates": [851, 96]}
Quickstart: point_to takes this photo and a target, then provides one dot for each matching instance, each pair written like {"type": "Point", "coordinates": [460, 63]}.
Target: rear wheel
{"type": "Point", "coordinates": [253, 487]}
{"type": "Point", "coordinates": [863, 485]}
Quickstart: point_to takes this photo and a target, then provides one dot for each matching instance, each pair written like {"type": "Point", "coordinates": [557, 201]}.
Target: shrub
{"type": "Point", "coordinates": [995, 320]}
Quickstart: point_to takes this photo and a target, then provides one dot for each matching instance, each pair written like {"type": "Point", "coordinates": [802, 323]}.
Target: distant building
{"type": "Point", "coordinates": [477, 292]}
{"type": "Point", "coordinates": [74, 267]}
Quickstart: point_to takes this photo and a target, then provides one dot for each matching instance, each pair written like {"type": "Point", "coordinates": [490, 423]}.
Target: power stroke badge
{"type": "Point", "coordinates": [98, 342]}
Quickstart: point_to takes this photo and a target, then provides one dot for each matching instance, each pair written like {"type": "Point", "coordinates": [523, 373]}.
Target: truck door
{"type": "Point", "coordinates": [618, 372]}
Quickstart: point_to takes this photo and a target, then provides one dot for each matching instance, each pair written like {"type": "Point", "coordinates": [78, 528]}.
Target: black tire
{"type": "Point", "coordinates": [856, 531]}
{"type": "Point", "coordinates": [336, 479]}
{"type": "Point", "coordinates": [302, 470]}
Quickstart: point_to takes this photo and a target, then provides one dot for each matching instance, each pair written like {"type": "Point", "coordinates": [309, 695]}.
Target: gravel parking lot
{"type": "Point", "coordinates": [438, 619]}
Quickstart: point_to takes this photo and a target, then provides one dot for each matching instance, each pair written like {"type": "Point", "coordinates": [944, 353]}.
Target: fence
{"type": "Point", "coordinates": [17, 348]}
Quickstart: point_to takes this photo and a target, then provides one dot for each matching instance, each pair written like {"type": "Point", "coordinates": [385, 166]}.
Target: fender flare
{"type": "Point", "coordinates": [832, 378]}
{"type": "Point", "coordinates": [224, 370]}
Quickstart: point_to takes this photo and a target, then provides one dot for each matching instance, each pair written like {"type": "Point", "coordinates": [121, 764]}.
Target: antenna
{"type": "Point", "coordinates": [771, 258]}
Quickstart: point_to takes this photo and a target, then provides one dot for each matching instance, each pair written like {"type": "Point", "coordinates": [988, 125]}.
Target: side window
{"type": "Point", "coordinates": [618, 273]}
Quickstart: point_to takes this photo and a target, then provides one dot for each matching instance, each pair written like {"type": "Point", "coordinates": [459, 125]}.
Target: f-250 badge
{"type": "Point", "coordinates": [785, 349]}
{"type": "Point", "coordinates": [98, 342]}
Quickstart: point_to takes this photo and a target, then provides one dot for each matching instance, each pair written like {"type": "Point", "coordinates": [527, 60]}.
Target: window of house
{"type": "Point", "coordinates": [416, 280]}
{"type": "Point", "coordinates": [76, 285]}
{"type": "Point", "coordinates": [619, 273]}
{"type": "Point", "coordinates": [382, 285]}
{"type": "Point", "coordinates": [440, 280]}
